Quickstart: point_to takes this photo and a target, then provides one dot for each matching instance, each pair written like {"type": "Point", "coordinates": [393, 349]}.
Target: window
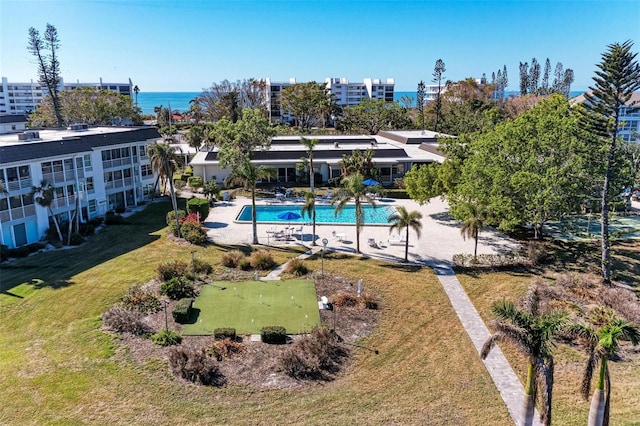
{"type": "Point", "coordinates": [124, 152]}
{"type": "Point", "coordinates": [87, 161]}
{"type": "Point", "coordinates": [92, 206]}
{"type": "Point", "coordinates": [59, 192]}
{"type": "Point", "coordinates": [117, 175]}
{"type": "Point", "coordinates": [146, 170]}
{"type": "Point", "coordinates": [90, 184]}
{"type": "Point", "coordinates": [106, 155]}
{"type": "Point", "coordinates": [57, 166]}
{"type": "Point", "coordinates": [143, 151]}
{"type": "Point", "coordinates": [15, 201]}
{"type": "Point", "coordinates": [4, 204]}
{"type": "Point", "coordinates": [27, 199]}
{"type": "Point", "coordinates": [127, 173]}
{"type": "Point", "coordinates": [68, 164]}
{"type": "Point", "coordinates": [12, 174]}
{"type": "Point", "coordinates": [46, 168]}
{"type": "Point", "coordinates": [71, 190]}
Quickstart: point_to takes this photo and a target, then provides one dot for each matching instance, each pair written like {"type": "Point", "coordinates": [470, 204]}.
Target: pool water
{"type": "Point", "coordinates": [324, 214]}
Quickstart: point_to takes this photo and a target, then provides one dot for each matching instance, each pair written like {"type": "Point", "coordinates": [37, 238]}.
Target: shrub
{"type": "Point", "coordinates": [193, 233]}
{"type": "Point", "coordinates": [96, 221]}
{"type": "Point", "coordinates": [76, 239]}
{"type": "Point", "coordinates": [179, 184]}
{"type": "Point", "coordinates": [244, 264]}
{"type": "Point", "coordinates": [169, 270]}
{"type": "Point", "coordinates": [536, 253]}
{"type": "Point", "coordinates": [195, 181]}
{"type": "Point", "coordinates": [262, 260]}
{"type": "Point", "coordinates": [19, 252]}
{"type": "Point", "coordinates": [4, 252]}
{"type": "Point", "coordinates": [345, 300]}
{"type": "Point", "coordinates": [368, 302]}
{"type": "Point", "coordinates": [123, 320]}
{"type": "Point", "coordinates": [201, 266]}
{"type": "Point", "coordinates": [226, 348]}
{"type": "Point", "coordinates": [274, 334]}
{"type": "Point", "coordinates": [231, 259]}
{"type": "Point", "coordinates": [182, 310]}
{"type": "Point", "coordinates": [111, 218]}
{"type": "Point", "coordinates": [51, 234]}
{"type": "Point", "coordinates": [120, 209]}
{"type": "Point", "coordinates": [194, 366]}
{"type": "Point", "coordinates": [142, 300]}
{"type": "Point", "coordinates": [171, 217]}
{"type": "Point", "coordinates": [311, 356]}
{"type": "Point", "coordinates": [35, 247]}
{"type": "Point", "coordinates": [296, 267]}
{"type": "Point", "coordinates": [200, 206]}
{"type": "Point", "coordinates": [177, 288]}
{"type": "Point", "coordinates": [224, 333]}
{"type": "Point", "coordinates": [87, 229]}
{"type": "Point", "coordinates": [166, 338]}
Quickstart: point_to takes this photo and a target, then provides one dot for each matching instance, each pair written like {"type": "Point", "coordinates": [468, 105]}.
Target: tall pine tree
{"type": "Point", "coordinates": [615, 81]}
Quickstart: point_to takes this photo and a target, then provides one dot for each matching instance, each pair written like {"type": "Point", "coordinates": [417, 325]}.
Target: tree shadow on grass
{"type": "Point", "coordinates": [54, 269]}
{"type": "Point", "coordinates": [56, 284]}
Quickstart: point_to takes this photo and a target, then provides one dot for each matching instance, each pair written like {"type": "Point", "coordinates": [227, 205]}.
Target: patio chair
{"type": "Point", "coordinates": [225, 197]}
{"type": "Point", "coordinates": [396, 240]}
{"type": "Point", "coordinates": [372, 243]}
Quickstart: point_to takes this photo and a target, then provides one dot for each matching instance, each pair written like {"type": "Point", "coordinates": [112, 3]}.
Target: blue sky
{"type": "Point", "coordinates": [188, 45]}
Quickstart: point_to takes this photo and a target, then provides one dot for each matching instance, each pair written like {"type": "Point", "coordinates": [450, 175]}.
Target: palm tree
{"type": "Point", "coordinates": [310, 144]}
{"type": "Point", "coordinates": [475, 218]}
{"type": "Point", "coordinates": [136, 90]}
{"type": "Point", "coordinates": [401, 219]}
{"type": "Point", "coordinates": [163, 159]}
{"type": "Point", "coordinates": [44, 196]}
{"type": "Point", "coordinates": [353, 187]}
{"type": "Point", "coordinates": [309, 208]}
{"type": "Point", "coordinates": [601, 338]}
{"type": "Point", "coordinates": [532, 333]}
{"type": "Point", "coordinates": [248, 175]}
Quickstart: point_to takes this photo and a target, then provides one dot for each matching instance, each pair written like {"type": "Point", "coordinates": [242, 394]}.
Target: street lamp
{"type": "Point", "coordinates": [324, 243]}
{"type": "Point", "coordinates": [193, 262]}
{"type": "Point", "coordinates": [166, 321]}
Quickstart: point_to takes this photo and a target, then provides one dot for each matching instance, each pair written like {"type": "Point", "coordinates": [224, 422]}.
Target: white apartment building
{"type": "Point", "coordinates": [102, 168]}
{"type": "Point", "coordinates": [22, 98]}
{"type": "Point", "coordinates": [345, 93]}
{"type": "Point", "coordinates": [629, 129]}
{"type": "Point", "coordinates": [351, 93]}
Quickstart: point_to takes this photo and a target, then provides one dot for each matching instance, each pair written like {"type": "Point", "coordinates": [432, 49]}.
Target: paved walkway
{"type": "Point", "coordinates": [506, 381]}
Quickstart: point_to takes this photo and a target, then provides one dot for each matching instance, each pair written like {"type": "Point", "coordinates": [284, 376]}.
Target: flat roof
{"type": "Point", "coordinates": [55, 142]}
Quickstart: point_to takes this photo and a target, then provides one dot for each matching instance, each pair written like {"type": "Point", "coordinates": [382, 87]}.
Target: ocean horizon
{"type": "Point", "coordinates": [147, 101]}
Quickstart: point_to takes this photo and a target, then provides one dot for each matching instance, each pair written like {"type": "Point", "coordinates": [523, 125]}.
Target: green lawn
{"type": "Point", "coordinates": [249, 306]}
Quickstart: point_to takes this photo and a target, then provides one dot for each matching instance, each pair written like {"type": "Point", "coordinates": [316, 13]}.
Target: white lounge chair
{"type": "Point", "coordinates": [396, 240]}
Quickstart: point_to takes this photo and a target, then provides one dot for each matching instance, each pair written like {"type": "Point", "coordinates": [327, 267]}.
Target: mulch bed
{"type": "Point", "coordinates": [258, 364]}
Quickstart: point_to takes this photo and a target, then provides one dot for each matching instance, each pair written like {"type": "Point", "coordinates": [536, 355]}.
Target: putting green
{"type": "Point", "coordinates": [248, 306]}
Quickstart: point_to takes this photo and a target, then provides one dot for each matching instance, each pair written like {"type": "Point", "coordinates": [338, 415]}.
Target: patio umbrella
{"type": "Point", "coordinates": [289, 215]}
{"type": "Point", "coordinates": [371, 182]}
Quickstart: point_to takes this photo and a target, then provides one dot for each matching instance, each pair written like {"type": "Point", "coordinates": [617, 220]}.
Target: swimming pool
{"type": "Point", "coordinates": [324, 214]}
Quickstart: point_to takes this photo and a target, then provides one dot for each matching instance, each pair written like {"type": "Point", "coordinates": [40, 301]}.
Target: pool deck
{"type": "Point", "coordinates": [440, 238]}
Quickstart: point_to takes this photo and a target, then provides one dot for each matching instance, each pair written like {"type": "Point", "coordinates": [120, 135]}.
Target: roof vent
{"type": "Point", "coordinates": [28, 135]}
{"type": "Point", "coordinates": [77, 127]}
